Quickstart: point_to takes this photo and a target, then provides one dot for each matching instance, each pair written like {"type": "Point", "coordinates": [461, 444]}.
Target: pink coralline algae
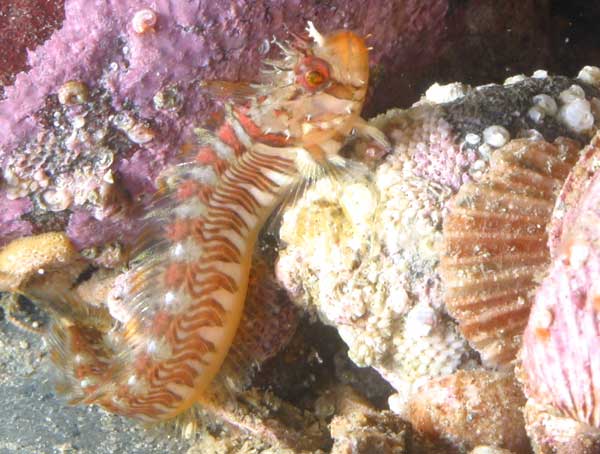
{"type": "Point", "coordinates": [561, 353]}
{"type": "Point", "coordinates": [113, 96]}
{"type": "Point", "coordinates": [102, 153]}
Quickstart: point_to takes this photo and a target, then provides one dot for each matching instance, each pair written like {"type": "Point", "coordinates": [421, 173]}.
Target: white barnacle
{"type": "Point", "coordinates": [190, 209]}
{"type": "Point", "coordinates": [58, 199]}
{"type": "Point", "coordinates": [472, 139]}
{"type": "Point", "coordinates": [420, 320]}
{"type": "Point", "coordinates": [590, 75]}
{"type": "Point", "coordinates": [143, 21]}
{"type": "Point", "coordinates": [73, 92]}
{"type": "Point", "coordinates": [140, 134]}
{"type": "Point", "coordinates": [514, 79]}
{"type": "Point", "coordinates": [80, 359]}
{"type": "Point", "coordinates": [544, 318]}
{"type": "Point", "coordinates": [175, 302]}
{"type": "Point", "coordinates": [546, 104]}
{"type": "Point", "coordinates": [536, 114]}
{"type": "Point", "coordinates": [137, 385]}
{"type": "Point", "coordinates": [571, 94]}
{"type": "Point", "coordinates": [496, 136]}
{"type": "Point", "coordinates": [265, 47]}
{"type": "Point", "coordinates": [86, 382]}
{"type": "Point", "coordinates": [178, 251]}
{"type": "Point", "coordinates": [578, 254]}
{"type": "Point", "coordinates": [440, 94]}
{"type": "Point", "coordinates": [577, 115]}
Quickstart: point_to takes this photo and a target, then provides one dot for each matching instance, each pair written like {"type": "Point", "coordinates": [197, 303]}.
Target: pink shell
{"type": "Point", "coordinates": [561, 353]}
{"type": "Point", "coordinates": [566, 210]}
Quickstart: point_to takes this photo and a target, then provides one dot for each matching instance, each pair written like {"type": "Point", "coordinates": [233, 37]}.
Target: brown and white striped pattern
{"type": "Point", "coordinates": [177, 309]}
{"type": "Point", "coordinates": [193, 303]}
{"type": "Point", "coordinates": [495, 243]}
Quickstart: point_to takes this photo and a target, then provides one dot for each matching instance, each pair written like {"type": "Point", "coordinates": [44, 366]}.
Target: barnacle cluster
{"type": "Point", "coordinates": [72, 163]}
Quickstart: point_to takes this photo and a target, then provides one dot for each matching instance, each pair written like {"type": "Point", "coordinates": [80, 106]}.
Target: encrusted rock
{"type": "Point", "coordinates": [471, 408]}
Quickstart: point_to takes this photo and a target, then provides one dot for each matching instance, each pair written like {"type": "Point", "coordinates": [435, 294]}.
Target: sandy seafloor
{"type": "Point", "coordinates": [35, 420]}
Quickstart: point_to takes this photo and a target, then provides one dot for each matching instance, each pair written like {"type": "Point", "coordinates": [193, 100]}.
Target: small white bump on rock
{"type": "Point", "coordinates": [578, 254]}
{"type": "Point", "coordinates": [544, 318]}
{"type": "Point", "coordinates": [158, 349]}
{"type": "Point", "coordinates": [496, 136]}
{"type": "Point", "coordinates": [546, 104]}
{"type": "Point", "coordinates": [515, 79]}
{"type": "Point", "coordinates": [571, 94]}
{"type": "Point", "coordinates": [531, 134]}
{"type": "Point", "coordinates": [472, 139]}
{"type": "Point", "coordinates": [359, 203]}
{"type": "Point", "coordinates": [58, 199]}
{"type": "Point", "coordinates": [540, 74]}
{"type": "Point", "coordinates": [398, 403]}
{"type": "Point", "coordinates": [140, 134]}
{"type": "Point", "coordinates": [536, 114]}
{"type": "Point", "coordinates": [485, 151]}
{"type": "Point", "coordinates": [577, 115]}
{"type": "Point", "coordinates": [590, 75]}
{"type": "Point", "coordinates": [144, 21]}
{"type": "Point", "coordinates": [440, 94]}
{"type": "Point", "coordinates": [78, 121]}
{"type": "Point", "coordinates": [419, 321]}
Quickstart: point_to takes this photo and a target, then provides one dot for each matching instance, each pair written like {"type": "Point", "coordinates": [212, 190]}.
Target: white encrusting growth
{"type": "Point", "coordinates": [515, 79]}
{"type": "Point", "coordinates": [472, 138]}
{"type": "Point", "coordinates": [439, 94]}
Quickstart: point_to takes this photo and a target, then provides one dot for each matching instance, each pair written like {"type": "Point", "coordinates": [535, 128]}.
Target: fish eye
{"type": "Point", "coordinates": [312, 73]}
{"type": "Point", "coordinates": [314, 78]}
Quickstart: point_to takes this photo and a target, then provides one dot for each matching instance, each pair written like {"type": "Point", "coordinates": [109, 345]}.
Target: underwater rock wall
{"type": "Point", "coordinates": [103, 107]}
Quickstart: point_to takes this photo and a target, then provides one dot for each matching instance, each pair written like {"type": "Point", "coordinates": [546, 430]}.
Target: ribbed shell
{"type": "Point", "coordinates": [494, 247]}
{"type": "Point", "coordinates": [561, 351]}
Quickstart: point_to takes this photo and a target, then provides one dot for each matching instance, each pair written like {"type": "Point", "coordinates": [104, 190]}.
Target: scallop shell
{"type": "Point", "coordinates": [494, 247]}
{"type": "Point", "coordinates": [561, 350]}
{"type": "Point", "coordinates": [566, 212]}
{"type": "Point", "coordinates": [552, 433]}
{"type": "Point", "coordinates": [471, 408]}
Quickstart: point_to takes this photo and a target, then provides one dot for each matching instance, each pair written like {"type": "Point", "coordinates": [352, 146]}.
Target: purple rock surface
{"type": "Point", "coordinates": [61, 161]}
{"type": "Point", "coordinates": [143, 100]}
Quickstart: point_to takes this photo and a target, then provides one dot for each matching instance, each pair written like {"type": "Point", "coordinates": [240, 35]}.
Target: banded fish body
{"type": "Point", "coordinates": [173, 315]}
